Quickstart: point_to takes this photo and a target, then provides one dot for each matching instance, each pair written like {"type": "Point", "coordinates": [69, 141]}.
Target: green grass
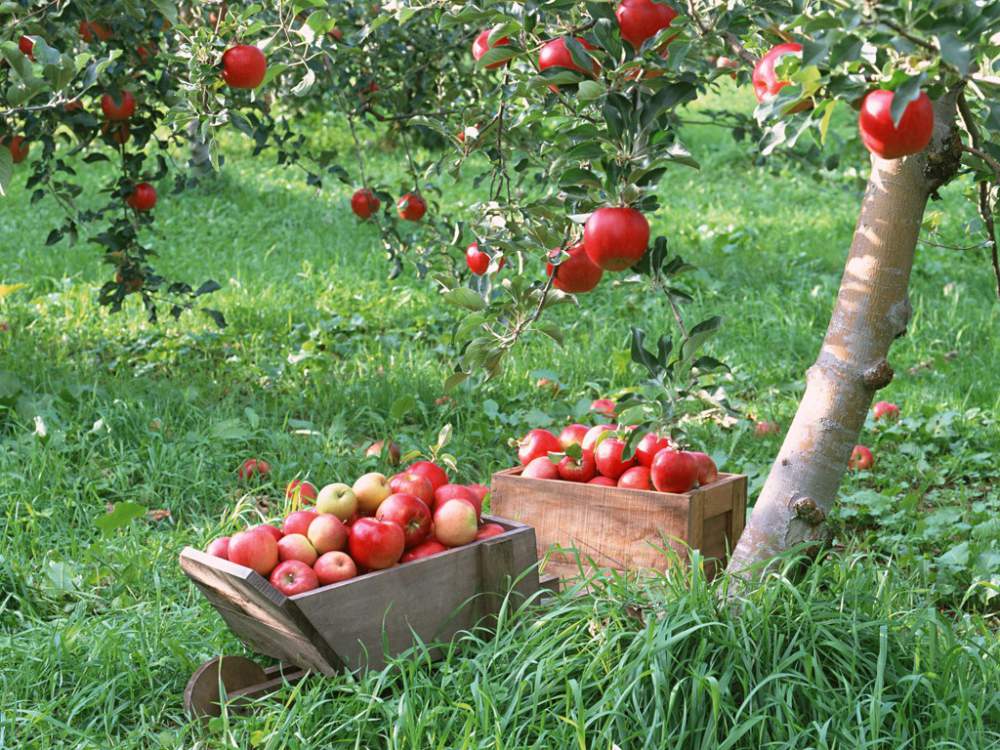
{"type": "Point", "coordinates": [888, 643]}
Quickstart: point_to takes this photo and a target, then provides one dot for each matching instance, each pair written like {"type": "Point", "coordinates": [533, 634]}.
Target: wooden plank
{"type": "Point", "coordinates": [611, 527]}
{"type": "Point", "coordinates": [372, 616]}
{"type": "Point", "coordinates": [258, 613]}
{"type": "Point", "coordinates": [738, 519]}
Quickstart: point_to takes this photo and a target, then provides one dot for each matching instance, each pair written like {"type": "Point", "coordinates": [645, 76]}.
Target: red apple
{"type": "Point", "coordinates": [411, 513]}
{"type": "Point", "coordinates": [541, 468]}
{"type": "Point", "coordinates": [765, 81]}
{"type": "Point", "coordinates": [605, 406]}
{"type": "Point", "coordinates": [425, 549]}
{"type": "Point", "coordinates": [763, 429]}
{"type": "Point", "coordinates": [118, 108]}
{"type": "Point", "coordinates": [301, 491]}
{"type": "Point", "coordinates": [434, 473]}
{"type": "Point", "coordinates": [327, 533]}
{"type": "Point", "coordinates": [674, 471]}
{"type": "Point", "coordinates": [887, 140]}
{"type": "Point", "coordinates": [18, 147]}
{"type": "Point", "coordinates": [590, 439]}
{"type": "Point", "coordinates": [376, 448]}
{"type": "Point", "coordinates": [410, 483]}
{"type": "Point", "coordinates": [298, 522]}
{"type": "Point", "coordinates": [573, 470]}
{"type": "Point", "coordinates": [219, 547]}
{"type": "Point", "coordinates": [861, 459]}
{"type": "Point", "coordinates": [452, 491]}
{"type": "Point", "coordinates": [537, 443]}
{"type": "Point", "coordinates": [577, 274]}
{"type": "Point", "coordinates": [254, 549]}
{"type": "Point", "coordinates": [333, 567]}
{"type": "Point", "coordinates": [603, 481]}
{"type": "Point", "coordinates": [482, 45]}
{"type": "Point", "coordinates": [707, 470]}
{"type": "Point", "coordinates": [142, 198]}
{"type": "Point", "coordinates": [455, 523]}
{"type": "Point", "coordinates": [243, 67]}
{"type": "Point", "coordinates": [89, 30]}
{"type": "Point", "coordinates": [608, 457]}
{"type": "Point", "coordinates": [411, 207]}
{"type": "Point", "coordinates": [886, 410]}
{"type": "Point", "coordinates": [649, 446]}
{"type": "Point", "coordinates": [573, 435]}
{"type": "Point", "coordinates": [480, 491]}
{"type": "Point", "coordinates": [489, 529]}
{"type": "Point", "coordinates": [294, 577]}
{"type": "Point", "coordinates": [364, 203]}
{"type": "Point", "coordinates": [478, 261]}
{"type": "Point", "coordinates": [640, 20]}
{"type": "Point", "coordinates": [253, 467]}
{"type": "Point", "coordinates": [339, 499]}
{"type": "Point", "coordinates": [296, 547]}
{"type": "Point", "coordinates": [616, 237]}
{"type": "Point", "coordinates": [375, 544]}
{"type": "Point", "coordinates": [555, 54]}
{"type": "Point", "coordinates": [636, 478]}
{"type": "Point", "coordinates": [26, 44]}
{"type": "Point", "coordinates": [274, 532]}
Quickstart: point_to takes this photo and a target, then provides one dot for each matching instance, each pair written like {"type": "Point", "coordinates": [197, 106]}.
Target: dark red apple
{"type": "Point", "coordinates": [765, 81]}
{"type": "Point", "coordinates": [609, 458]}
{"type": "Point", "coordinates": [426, 549]}
{"type": "Point", "coordinates": [636, 478]}
{"type": "Point", "coordinates": [118, 108]}
{"type": "Point", "coordinates": [434, 473]}
{"type": "Point", "coordinates": [411, 483]}
{"type": "Point", "coordinates": [294, 577]}
{"type": "Point", "coordinates": [364, 203]}
{"type": "Point", "coordinates": [674, 471]}
{"type": "Point", "coordinates": [375, 544]}
{"type": "Point", "coordinates": [576, 274]}
{"type": "Point", "coordinates": [411, 207]}
{"type": "Point", "coordinates": [411, 514]}
{"type": "Point", "coordinates": [540, 468]}
{"type": "Point", "coordinates": [640, 20]}
{"type": "Point", "coordinates": [573, 435]}
{"type": "Point", "coordinates": [649, 446]}
{"type": "Point", "coordinates": [298, 522]}
{"type": "Point", "coordinates": [537, 443]}
{"type": "Point", "coordinates": [574, 470]}
{"type": "Point", "coordinates": [243, 67]}
{"type": "Point", "coordinates": [142, 198]}
{"type": "Point", "coordinates": [253, 467]}
{"type": "Point", "coordinates": [555, 54]}
{"type": "Point", "coordinates": [887, 140]}
{"type": "Point", "coordinates": [616, 237]}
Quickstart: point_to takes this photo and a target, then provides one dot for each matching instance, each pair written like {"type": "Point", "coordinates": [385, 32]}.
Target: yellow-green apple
{"type": "Point", "coordinates": [451, 491]}
{"type": "Point", "coordinates": [294, 577]}
{"type": "Point", "coordinates": [537, 443]}
{"type": "Point", "coordinates": [327, 533]}
{"type": "Point", "coordinates": [219, 547]}
{"type": "Point", "coordinates": [298, 522]}
{"type": "Point", "coordinates": [411, 483]}
{"type": "Point", "coordinates": [434, 473]}
{"type": "Point", "coordinates": [425, 549]}
{"type": "Point", "coordinates": [411, 513]}
{"type": "Point", "coordinates": [273, 531]}
{"type": "Point", "coordinates": [370, 490]}
{"type": "Point", "coordinates": [489, 529]}
{"type": "Point", "coordinates": [886, 410]}
{"type": "Point", "coordinates": [861, 459]}
{"type": "Point", "coordinates": [338, 499]}
{"type": "Point", "coordinates": [393, 452]}
{"type": "Point", "coordinates": [375, 544]}
{"type": "Point", "coordinates": [580, 469]}
{"type": "Point", "coordinates": [255, 549]}
{"type": "Point", "coordinates": [708, 472]}
{"type": "Point", "coordinates": [253, 467]}
{"type": "Point", "coordinates": [589, 441]}
{"type": "Point", "coordinates": [541, 468]}
{"type": "Point", "coordinates": [674, 471]}
{"type": "Point", "coordinates": [333, 567]}
{"type": "Point", "coordinates": [603, 482]}
{"type": "Point", "coordinates": [455, 523]}
{"type": "Point", "coordinates": [649, 446]}
{"type": "Point", "coordinates": [609, 457]}
{"type": "Point", "coordinates": [636, 478]}
{"type": "Point", "coordinates": [573, 435]}
{"type": "Point", "coordinates": [300, 491]}
{"type": "Point", "coordinates": [296, 547]}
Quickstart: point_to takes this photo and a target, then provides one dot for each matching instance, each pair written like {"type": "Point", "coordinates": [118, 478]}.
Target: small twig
{"type": "Point", "coordinates": [358, 150]}
{"type": "Point", "coordinates": [677, 315]}
{"type": "Point", "coordinates": [923, 43]}
{"type": "Point", "coordinates": [944, 246]}
{"type": "Point", "coordinates": [993, 163]}
{"type": "Point", "coordinates": [985, 186]}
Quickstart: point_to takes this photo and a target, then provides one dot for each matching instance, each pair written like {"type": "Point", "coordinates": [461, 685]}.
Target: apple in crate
{"type": "Point", "coordinates": [337, 499]}
{"type": "Point", "coordinates": [580, 469]}
{"type": "Point", "coordinates": [674, 471]}
{"type": "Point", "coordinates": [489, 529]}
{"type": "Point", "coordinates": [425, 549]}
{"type": "Point", "coordinates": [573, 435]}
{"type": "Point", "coordinates": [375, 544]}
{"type": "Point", "coordinates": [410, 513]}
{"type": "Point", "coordinates": [296, 547]}
{"type": "Point", "coordinates": [456, 522]}
{"type": "Point", "coordinates": [649, 446]}
{"type": "Point", "coordinates": [255, 549]}
{"type": "Point", "coordinates": [298, 522]}
{"type": "Point", "coordinates": [333, 567]}
{"type": "Point", "coordinates": [273, 531]}
{"type": "Point", "coordinates": [541, 468]}
{"type": "Point", "coordinates": [480, 491]}
{"type": "Point", "coordinates": [636, 478]}
{"type": "Point", "coordinates": [219, 547]}
{"type": "Point", "coordinates": [434, 473]}
{"type": "Point", "coordinates": [411, 483]}
{"type": "Point", "coordinates": [603, 482]}
{"type": "Point", "coordinates": [537, 444]}
{"type": "Point", "coordinates": [707, 470]}
{"type": "Point", "coordinates": [590, 439]}
{"type": "Point", "coordinates": [609, 458]}
{"type": "Point", "coordinates": [370, 490]}
{"type": "Point", "coordinates": [294, 577]}
{"type": "Point", "coordinates": [327, 533]}
{"type": "Point", "coordinates": [448, 492]}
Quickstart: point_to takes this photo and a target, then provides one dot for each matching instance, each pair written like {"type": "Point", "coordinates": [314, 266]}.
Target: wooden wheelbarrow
{"type": "Point", "coordinates": [356, 623]}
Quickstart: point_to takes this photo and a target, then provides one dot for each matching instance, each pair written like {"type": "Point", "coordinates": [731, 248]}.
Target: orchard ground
{"type": "Point", "coordinates": [884, 644]}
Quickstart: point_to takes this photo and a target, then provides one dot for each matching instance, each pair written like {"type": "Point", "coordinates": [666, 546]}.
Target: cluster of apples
{"type": "Point", "coordinates": [411, 207]}
{"type": "Point", "coordinates": [376, 523]}
{"type": "Point", "coordinates": [596, 455]}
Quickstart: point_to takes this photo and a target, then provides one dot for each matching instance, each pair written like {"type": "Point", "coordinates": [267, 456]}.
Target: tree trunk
{"type": "Point", "coordinates": [872, 310]}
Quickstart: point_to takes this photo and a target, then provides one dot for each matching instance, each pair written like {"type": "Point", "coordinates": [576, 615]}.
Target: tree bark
{"type": "Point", "coordinates": [871, 311]}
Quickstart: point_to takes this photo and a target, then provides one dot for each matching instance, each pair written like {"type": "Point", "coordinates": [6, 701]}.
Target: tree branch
{"type": "Point", "coordinates": [985, 186]}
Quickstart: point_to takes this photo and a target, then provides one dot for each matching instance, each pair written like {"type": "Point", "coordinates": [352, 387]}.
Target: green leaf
{"type": "Point", "coordinates": [550, 329]}
{"type": "Point", "coordinates": [168, 9]}
{"type": "Point", "coordinates": [700, 334]}
{"type": "Point", "coordinates": [6, 170]}
{"type": "Point", "coordinates": [229, 429]}
{"type": "Point", "coordinates": [956, 52]}
{"type": "Point", "coordinates": [905, 94]}
{"type": "Point", "coordinates": [121, 515]}
{"type": "Point", "coordinates": [465, 298]}
{"type": "Point", "coordinates": [454, 380]}
{"type": "Point", "coordinates": [402, 406]}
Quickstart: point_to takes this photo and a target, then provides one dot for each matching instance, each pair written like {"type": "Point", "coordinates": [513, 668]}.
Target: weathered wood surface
{"type": "Point", "coordinates": [240, 678]}
{"type": "Point", "coordinates": [609, 527]}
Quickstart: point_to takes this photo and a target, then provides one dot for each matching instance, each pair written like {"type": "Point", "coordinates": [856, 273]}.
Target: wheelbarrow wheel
{"type": "Point", "coordinates": [202, 696]}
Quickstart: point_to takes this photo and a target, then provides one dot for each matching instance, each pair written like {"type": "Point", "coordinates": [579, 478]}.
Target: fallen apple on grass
{"type": "Point", "coordinates": [253, 468]}
{"type": "Point", "coordinates": [885, 410]}
{"type": "Point", "coordinates": [301, 491]}
{"type": "Point", "coordinates": [861, 459]}
{"type": "Point", "coordinates": [393, 453]}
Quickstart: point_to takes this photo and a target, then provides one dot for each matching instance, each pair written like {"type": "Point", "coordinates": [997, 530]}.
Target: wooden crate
{"type": "Point", "coordinates": [362, 621]}
{"type": "Point", "coordinates": [618, 528]}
